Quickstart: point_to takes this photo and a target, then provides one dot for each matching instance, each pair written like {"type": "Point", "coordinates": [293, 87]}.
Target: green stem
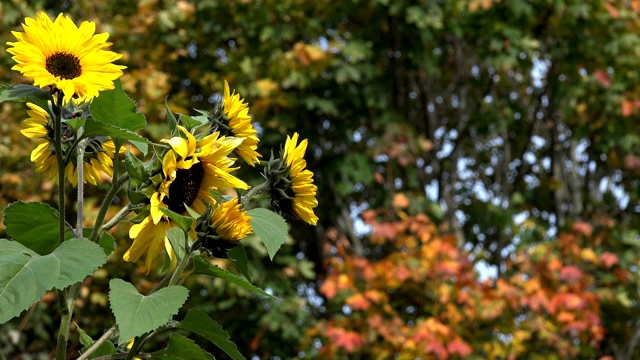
{"type": "Point", "coordinates": [65, 314]}
{"type": "Point", "coordinates": [180, 268]}
{"type": "Point", "coordinates": [254, 191]}
{"type": "Point", "coordinates": [117, 218]}
{"type": "Point", "coordinates": [57, 145]}
{"type": "Point", "coordinates": [65, 320]}
{"type": "Point", "coordinates": [115, 187]}
{"type": "Point", "coordinates": [98, 342]}
{"type": "Point", "coordinates": [80, 166]}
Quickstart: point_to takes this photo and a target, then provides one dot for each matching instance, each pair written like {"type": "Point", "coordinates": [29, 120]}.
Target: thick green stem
{"type": "Point", "coordinates": [65, 320]}
{"type": "Point", "coordinates": [60, 160]}
{"type": "Point", "coordinates": [65, 314]}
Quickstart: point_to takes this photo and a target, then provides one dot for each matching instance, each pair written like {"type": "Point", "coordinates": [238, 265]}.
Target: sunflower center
{"type": "Point", "coordinates": [64, 65]}
{"type": "Point", "coordinates": [184, 189]}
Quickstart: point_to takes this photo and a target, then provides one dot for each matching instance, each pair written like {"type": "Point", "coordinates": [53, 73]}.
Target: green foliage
{"type": "Point", "coordinates": [137, 314]}
{"type": "Point", "coordinates": [199, 323]}
{"type": "Point", "coordinates": [105, 348]}
{"type": "Point", "coordinates": [204, 267]}
{"type": "Point", "coordinates": [25, 93]}
{"type": "Point", "coordinates": [270, 228]}
{"type": "Point", "coordinates": [34, 225]}
{"type": "Point", "coordinates": [115, 108]}
{"type": "Point", "coordinates": [181, 348]}
{"type": "Point", "coordinates": [184, 222]}
{"type": "Point", "coordinates": [26, 276]}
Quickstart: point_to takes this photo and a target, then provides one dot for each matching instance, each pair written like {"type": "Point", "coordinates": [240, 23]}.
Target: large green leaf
{"type": "Point", "coordinates": [96, 128]}
{"type": "Point", "coordinates": [203, 266]}
{"type": "Point", "coordinates": [181, 348]}
{"type": "Point", "coordinates": [115, 108]}
{"type": "Point", "coordinates": [270, 228]}
{"type": "Point", "coordinates": [25, 93]}
{"type": "Point", "coordinates": [26, 276]}
{"type": "Point", "coordinates": [34, 225]}
{"type": "Point", "coordinates": [201, 324]}
{"type": "Point", "coordinates": [137, 314]}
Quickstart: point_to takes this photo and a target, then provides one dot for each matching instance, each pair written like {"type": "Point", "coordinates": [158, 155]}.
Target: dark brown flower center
{"type": "Point", "coordinates": [64, 65]}
{"type": "Point", "coordinates": [184, 189]}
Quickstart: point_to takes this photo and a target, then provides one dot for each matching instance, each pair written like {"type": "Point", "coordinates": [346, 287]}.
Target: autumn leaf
{"type": "Point", "coordinates": [609, 259]}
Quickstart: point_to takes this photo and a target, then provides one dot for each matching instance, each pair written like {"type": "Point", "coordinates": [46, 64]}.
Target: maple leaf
{"type": "Point", "coordinates": [348, 340]}
{"type": "Point", "coordinates": [609, 259]}
{"type": "Point", "coordinates": [400, 200]}
{"type": "Point", "coordinates": [570, 274]}
{"type": "Point", "coordinates": [603, 78]}
{"type": "Point", "coordinates": [329, 289]}
{"type": "Point", "coordinates": [358, 302]}
{"type": "Point", "coordinates": [460, 347]}
{"type": "Point", "coordinates": [583, 228]}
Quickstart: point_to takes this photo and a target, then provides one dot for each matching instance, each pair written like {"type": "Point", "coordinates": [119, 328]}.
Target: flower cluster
{"type": "Point", "coordinates": [190, 173]}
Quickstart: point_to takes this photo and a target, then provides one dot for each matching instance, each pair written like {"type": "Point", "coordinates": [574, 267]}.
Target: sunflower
{"type": "Point", "coordinates": [233, 118]}
{"type": "Point", "coordinates": [191, 170]}
{"type": "Point", "coordinates": [98, 153]}
{"type": "Point", "coordinates": [61, 55]}
{"type": "Point", "coordinates": [291, 185]}
{"type": "Point", "coordinates": [223, 230]}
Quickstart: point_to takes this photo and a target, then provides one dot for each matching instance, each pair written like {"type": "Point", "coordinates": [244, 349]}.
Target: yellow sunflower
{"type": "Point", "coordinates": [237, 119]}
{"type": "Point", "coordinates": [61, 55]}
{"type": "Point", "coordinates": [191, 170]}
{"type": "Point", "coordinates": [98, 154]}
{"type": "Point", "coordinates": [228, 224]}
{"type": "Point", "coordinates": [291, 185]}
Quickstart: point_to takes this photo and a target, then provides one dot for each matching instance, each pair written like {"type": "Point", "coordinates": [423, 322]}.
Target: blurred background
{"type": "Point", "coordinates": [477, 164]}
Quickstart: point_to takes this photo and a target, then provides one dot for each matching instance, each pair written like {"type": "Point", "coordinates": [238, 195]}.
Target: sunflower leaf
{"type": "Point", "coordinates": [26, 93]}
{"type": "Point", "coordinates": [239, 257]}
{"type": "Point", "coordinates": [26, 276]}
{"type": "Point", "coordinates": [96, 128]}
{"type": "Point", "coordinates": [177, 239]}
{"type": "Point", "coordinates": [184, 222]}
{"type": "Point", "coordinates": [34, 225]}
{"type": "Point", "coordinates": [171, 119]}
{"type": "Point", "coordinates": [198, 322]}
{"type": "Point", "coordinates": [137, 314]}
{"type": "Point", "coordinates": [270, 228]}
{"type": "Point", "coordinates": [192, 122]}
{"type": "Point", "coordinates": [181, 348]}
{"type": "Point", "coordinates": [204, 267]}
{"type": "Point", "coordinates": [115, 108]}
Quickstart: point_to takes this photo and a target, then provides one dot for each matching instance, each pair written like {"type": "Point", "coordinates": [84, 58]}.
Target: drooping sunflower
{"type": "Point", "coordinates": [291, 185]}
{"type": "Point", "coordinates": [98, 153]}
{"type": "Point", "coordinates": [191, 170]}
{"type": "Point", "coordinates": [61, 55]}
{"type": "Point", "coordinates": [232, 119]}
{"type": "Point", "coordinates": [223, 230]}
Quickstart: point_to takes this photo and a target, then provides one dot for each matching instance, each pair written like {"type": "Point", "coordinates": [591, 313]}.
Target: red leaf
{"type": "Point", "coordinates": [609, 259]}
{"type": "Point", "coordinates": [460, 347]}
{"type": "Point", "coordinates": [570, 274]}
{"type": "Point", "coordinates": [583, 228]}
{"type": "Point", "coordinates": [602, 78]}
{"type": "Point", "coordinates": [345, 339]}
{"type": "Point", "coordinates": [358, 302]}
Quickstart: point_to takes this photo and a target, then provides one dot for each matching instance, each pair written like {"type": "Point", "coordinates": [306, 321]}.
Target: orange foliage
{"type": "Point", "coordinates": [424, 298]}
